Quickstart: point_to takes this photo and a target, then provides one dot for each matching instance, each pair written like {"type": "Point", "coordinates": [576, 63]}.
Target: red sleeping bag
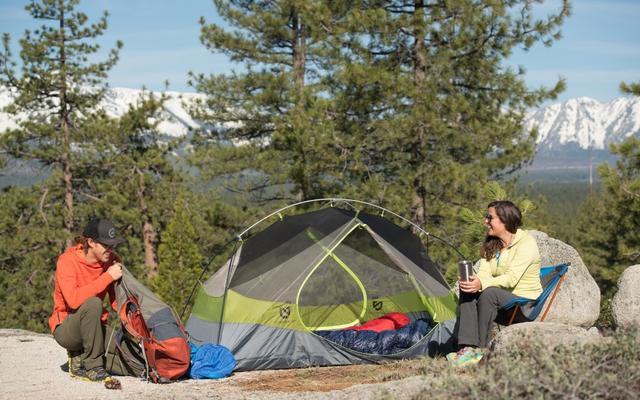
{"type": "Point", "coordinates": [394, 320]}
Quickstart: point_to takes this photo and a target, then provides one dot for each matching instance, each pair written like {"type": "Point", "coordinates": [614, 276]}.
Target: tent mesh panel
{"type": "Point", "coordinates": [349, 279]}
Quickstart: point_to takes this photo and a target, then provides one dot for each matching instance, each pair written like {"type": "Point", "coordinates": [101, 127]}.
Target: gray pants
{"type": "Point", "coordinates": [477, 313]}
{"type": "Point", "coordinates": [83, 331]}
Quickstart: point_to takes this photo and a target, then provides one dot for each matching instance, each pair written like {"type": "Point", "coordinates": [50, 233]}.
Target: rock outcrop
{"type": "Point", "coordinates": [625, 306]}
{"type": "Point", "coordinates": [578, 300]}
{"type": "Point", "coordinates": [545, 334]}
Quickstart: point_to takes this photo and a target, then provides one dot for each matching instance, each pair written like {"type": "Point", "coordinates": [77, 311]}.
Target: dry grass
{"type": "Point", "coordinates": [608, 369]}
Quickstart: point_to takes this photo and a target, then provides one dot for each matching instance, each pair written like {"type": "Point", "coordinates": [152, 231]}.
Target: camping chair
{"type": "Point", "coordinates": [551, 278]}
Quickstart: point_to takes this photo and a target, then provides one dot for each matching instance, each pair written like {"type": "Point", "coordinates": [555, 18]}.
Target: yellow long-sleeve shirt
{"type": "Point", "coordinates": [517, 268]}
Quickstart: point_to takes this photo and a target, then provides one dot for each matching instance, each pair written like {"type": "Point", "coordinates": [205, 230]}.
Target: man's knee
{"type": "Point", "coordinates": [93, 305]}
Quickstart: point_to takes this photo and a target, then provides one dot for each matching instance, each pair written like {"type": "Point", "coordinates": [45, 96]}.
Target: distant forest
{"type": "Point", "coordinates": [564, 190]}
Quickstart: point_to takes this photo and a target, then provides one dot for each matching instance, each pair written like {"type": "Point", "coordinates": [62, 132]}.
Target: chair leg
{"type": "Point", "coordinates": [513, 314]}
{"type": "Point", "coordinates": [553, 296]}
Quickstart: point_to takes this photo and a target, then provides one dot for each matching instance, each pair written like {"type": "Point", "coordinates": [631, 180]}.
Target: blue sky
{"type": "Point", "coordinates": [600, 45]}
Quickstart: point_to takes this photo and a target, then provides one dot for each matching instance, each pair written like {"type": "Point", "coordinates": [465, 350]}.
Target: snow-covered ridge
{"type": "Point", "coordinates": [176, 119]}
{"type": "Point", "coordinates": [175, 122]}
{"type": "Point", "coordinates": [582, 121]}
{"type": "Point", "coordinates": [586, 122]}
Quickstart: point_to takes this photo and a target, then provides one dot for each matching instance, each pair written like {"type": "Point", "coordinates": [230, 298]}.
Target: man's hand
{"type": "Point", "coordinates": [115, 271]}
{"type": "Point", "coordinates": [471, 286]}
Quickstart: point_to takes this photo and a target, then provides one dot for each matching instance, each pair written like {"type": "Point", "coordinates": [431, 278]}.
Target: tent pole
{"type": "Point", "coordinates": [334, 200]}
{"type": "Point", "coordinates": [193, 290]}
{"type": "Point", "coordinates": [205, 268]}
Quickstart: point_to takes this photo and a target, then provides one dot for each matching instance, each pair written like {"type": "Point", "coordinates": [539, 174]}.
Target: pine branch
{"type": "Point", "coordinates": [23, 252]}
{"type": "Point", "coordinates": [41, 206]}
{"type": "Point", "coordinates": [629, 192]}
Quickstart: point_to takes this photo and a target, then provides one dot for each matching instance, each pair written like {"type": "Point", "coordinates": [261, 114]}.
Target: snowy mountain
{"type": "Point", "coordinates": [175, 122]}
{"type": "Point", "coordinates": [574, 125]}
{"type": "Point", "coordinates": [584, 123]}
{"type": "Point", "coordinates": [6, 121]}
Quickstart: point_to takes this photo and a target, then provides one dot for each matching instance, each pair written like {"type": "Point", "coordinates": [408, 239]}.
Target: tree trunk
{"type": "Point", "coordinates": [149, 236]}
{"type": "Point", "coordinates": [418, 204]}
{"type": "Point", "coordinates": [299, 65]}
{"type": "Point", "coordinates": [67, 178]}
{"type": "Point", "coordinates": [419, 56]}
{"type": "Point", "coordinates": [67, 174]}
{"type": "Point", "coordinates": [299, 57]}
{"type": "Point", "coordinates": [148, 232]}
{"type": "Point", "coordinates": [301, 195]}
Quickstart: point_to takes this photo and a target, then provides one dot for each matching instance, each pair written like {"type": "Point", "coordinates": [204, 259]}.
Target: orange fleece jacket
{"type": "Point", "coordinates": [76, 280]}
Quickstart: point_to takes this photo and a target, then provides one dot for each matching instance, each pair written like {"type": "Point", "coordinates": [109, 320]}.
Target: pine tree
{"type": "Point", "coordinates": [596, 242]}
{"type": "Point", "coordinates": [423, 87]}
{"type": "Point", "coordinates": [55, 91]}
{"type": "Point", "coordinates": [28, 251]}
{"type": "Point", "coordinates": [622, 198]}
{"type": "Point", "coordinates": [608, 224]}
{"type": "Point", "coordinates": [180, 258]}
{"type": "Point", "coordinates": [408, 105]}
{"type": "Point", "coordinates": [275, 139]}
{"type": "Point", "coordinates": [136, 178]}
{"type": "Point", "coordinates": [57, 87]}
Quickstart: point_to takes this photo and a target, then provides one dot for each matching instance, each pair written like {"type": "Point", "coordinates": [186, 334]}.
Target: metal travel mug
{"type": "Point", "coordinates": [465, 270]}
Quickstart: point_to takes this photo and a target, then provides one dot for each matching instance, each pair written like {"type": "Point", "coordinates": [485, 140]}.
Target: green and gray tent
{"type": "Point", "coordinates": [322, 270]}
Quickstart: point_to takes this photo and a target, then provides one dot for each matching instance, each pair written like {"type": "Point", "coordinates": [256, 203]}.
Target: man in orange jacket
{"type": "Point", "coordinates": [85, 273]}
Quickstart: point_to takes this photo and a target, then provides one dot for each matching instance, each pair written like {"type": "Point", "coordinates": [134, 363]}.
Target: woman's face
{"type": "Point", "coordinates": [495, 225]}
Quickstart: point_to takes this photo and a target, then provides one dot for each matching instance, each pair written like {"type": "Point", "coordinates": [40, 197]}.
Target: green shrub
{"type": "Point", "coordinates": [605, 319]}
{"type": "Point", "coordinates": [609, 369]}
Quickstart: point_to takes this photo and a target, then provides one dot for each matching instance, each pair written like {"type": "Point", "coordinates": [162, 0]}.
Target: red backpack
{"type": "Point", "coordinates": [152, 341]}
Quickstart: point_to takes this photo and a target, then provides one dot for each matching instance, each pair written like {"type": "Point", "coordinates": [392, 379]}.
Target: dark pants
{"type": "Point", "coordinates": [84, 332]}
{"type": "Point", "coordinates": [477, 313]}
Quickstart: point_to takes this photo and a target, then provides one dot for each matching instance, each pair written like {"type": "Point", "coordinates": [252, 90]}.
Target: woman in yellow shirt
{"type": "Point", "coordinates": [509, 267]}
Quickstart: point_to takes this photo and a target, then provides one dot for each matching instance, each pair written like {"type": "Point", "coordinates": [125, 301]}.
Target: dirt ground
{"type": "Point", "coordinates": [31, 367]}
{"type": "Point", "coordinates": [327, 379]}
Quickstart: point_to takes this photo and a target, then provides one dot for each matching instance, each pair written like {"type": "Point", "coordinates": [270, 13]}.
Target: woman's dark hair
{"type": "Point", "coordinates": [511, 217]}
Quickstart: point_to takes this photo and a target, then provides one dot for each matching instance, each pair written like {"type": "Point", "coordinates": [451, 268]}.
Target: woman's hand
{"type": "Point", "coordinates": [471, 286]}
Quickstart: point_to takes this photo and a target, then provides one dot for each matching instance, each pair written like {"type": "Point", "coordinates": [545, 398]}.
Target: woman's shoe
{"type": "Point", "coordinates": [453, 357]}
{"type": "Point", "coordinates": [471, 356]}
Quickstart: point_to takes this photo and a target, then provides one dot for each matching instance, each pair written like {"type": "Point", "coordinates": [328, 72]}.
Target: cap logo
{"type": "Point", "coordinates": [112, 233]}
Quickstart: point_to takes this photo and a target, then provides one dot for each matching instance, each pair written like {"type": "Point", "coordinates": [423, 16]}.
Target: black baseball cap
{"type": "Point", "coordinates": [102, 231]}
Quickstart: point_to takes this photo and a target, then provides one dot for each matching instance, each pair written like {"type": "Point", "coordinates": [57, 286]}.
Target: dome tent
{"type": "Point", "coordinates": [327, 269]}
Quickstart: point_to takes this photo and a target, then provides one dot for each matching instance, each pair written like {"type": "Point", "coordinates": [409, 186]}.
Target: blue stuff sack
{"type": "Point", "coordinates": [211, 361]}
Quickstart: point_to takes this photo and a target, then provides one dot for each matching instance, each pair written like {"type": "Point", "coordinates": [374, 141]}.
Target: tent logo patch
{"type": "Point", "coordinates": [285, 311]}
{"type": "Point", "coordinates": [377, 305]}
